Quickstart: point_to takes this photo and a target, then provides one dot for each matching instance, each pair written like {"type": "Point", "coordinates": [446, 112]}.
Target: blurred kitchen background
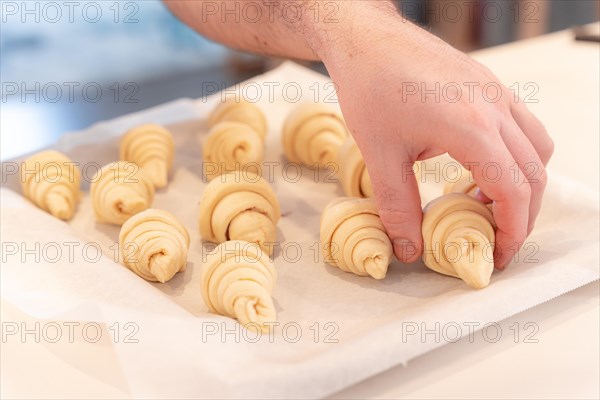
{"type": "Point", "coordinates": [140, 56]}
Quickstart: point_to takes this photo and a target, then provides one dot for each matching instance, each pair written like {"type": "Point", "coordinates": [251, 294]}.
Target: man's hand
{"type": "Point", "coordinates": [408, 96]}
{"type": "Point", "coordinates": [377, 59]}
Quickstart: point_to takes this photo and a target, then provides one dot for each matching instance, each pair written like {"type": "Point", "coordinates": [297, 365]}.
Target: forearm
{"type": "Point", "coordinates": [302, 29]}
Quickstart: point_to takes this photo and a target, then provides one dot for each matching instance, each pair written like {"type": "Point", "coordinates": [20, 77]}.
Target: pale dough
{"type": "Point", "coordinates": [151, 147]}
{"type": "Point", "coordinates": [458, 238]}
{"type": "Point", "coordinates": [51, 181]}
{"type": "Point", "coordinates": [354, 238]}
{"type": "Point", "coordinates": [237, 281]}
{"type": "Point", "coordinates": [313, 135]}
{"type": "Point", "coordinates": [240, 206]}
{"type": "Point", "coordinates": [120, 190]}
{"type": "Point", "coordinates": [242, 111]}
{"type": "Point", "coordinates": [154, 245]}
{"type": "Point", "coordinates": [464, 184]}
{"type": "Point", "coordinates": [353, 173]}
{"type": "Point", "coordinates": [232, 146]}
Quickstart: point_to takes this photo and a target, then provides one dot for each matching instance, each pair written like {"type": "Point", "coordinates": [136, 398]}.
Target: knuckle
{"type": "Point", "coordinates": [401, 223]}
{"type": "Point", "coordinates": [395, 217]}
{"type": "Point", "coordinates": [385, 194]}
{"type": "Point", "coordinates": [481, 122]}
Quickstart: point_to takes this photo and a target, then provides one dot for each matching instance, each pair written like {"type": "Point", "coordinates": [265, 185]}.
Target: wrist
{"type": "Point", "coordinates": [354, 28]}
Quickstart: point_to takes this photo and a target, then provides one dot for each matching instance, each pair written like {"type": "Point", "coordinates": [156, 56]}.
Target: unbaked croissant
{"type": "Point", "coordinates": [119, 190]}
{"type": "Point", "coordinates": [313, 135]}
{"type": "Point", "coordinates": [353, 173]}
{"type": "Point", "coordinates": [467, 185]}
{"type": "Point", "coordinates": [354, 238]}
{"type": "Point", "coordinates": [464, 184]}
{"type": "Point", "coordinates": [239, 206]}
{"type": "Point", "coordinates": [151, 147]}
{"type": "Point", "coordinates": [154, 245]}
{"type": "Point", "coordinates": [51, 181]}
{"type": "Point", "coordinates": [458, 238]}
{"type": "Point", "coordinates": [237, 281]}
{"type": "Point", "coordinates": [232, 146]}
{"type": "Point", "coordinates": [242, 111]}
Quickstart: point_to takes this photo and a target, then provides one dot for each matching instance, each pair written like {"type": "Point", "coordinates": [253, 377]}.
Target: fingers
{"type": "Point", "coordinates": [534, 130]}
{"type": "Point", "coordinates": [529, 164]}
{"type": "Point", "coordinates": [397, 194]}
{"type": "Point", "coordinates": [479, 195]}
{"type": "Point", "coordinates": [490, 162]}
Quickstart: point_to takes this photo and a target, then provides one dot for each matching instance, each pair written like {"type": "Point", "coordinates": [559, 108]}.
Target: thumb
{"type": "Point", "coordinates": [397, 194]}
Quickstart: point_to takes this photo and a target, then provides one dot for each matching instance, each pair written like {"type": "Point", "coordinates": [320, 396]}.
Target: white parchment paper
{"type": "Point", "coordinates": [335, 328]}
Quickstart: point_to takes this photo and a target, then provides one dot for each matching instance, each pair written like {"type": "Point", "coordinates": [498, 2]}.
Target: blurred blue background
{"type": "Point", "coordinates": [55, 58]}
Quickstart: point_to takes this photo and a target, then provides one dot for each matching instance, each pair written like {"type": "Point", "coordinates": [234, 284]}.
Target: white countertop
{"type": "Point", "coordinates": [563, 363]}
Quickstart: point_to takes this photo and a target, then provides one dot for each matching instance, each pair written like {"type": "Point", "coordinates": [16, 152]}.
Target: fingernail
{"type": "Point", "coordinates": [406, 250]}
